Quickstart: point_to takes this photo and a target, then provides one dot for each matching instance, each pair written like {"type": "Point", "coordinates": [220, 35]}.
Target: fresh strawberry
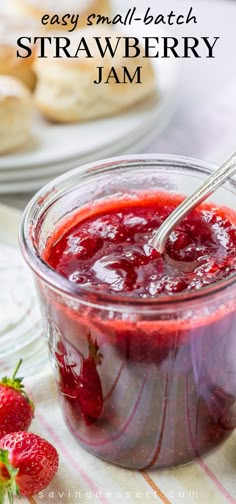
{"type": "Point", "coordinates": [16, 409]}
{"type": "Point", "coordinates": [28, 464]}
{"type": "Point", "coordinates": [90, 389]}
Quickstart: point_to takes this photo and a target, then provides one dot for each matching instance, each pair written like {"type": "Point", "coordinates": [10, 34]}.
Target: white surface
{"type": "Point", "coordinates": [205, 124]}
{"type": "Point", "coordinates": [20, 321]}
{"type": "Point", "coordinates": [19, 316]}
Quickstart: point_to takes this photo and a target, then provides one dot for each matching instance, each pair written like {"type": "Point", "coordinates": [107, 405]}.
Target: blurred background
{"type": "Point", "coordinates": [195, 115]}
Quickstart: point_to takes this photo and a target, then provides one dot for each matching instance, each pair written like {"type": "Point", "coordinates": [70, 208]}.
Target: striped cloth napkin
{"type": "Point", "coordinates": [83, 479]}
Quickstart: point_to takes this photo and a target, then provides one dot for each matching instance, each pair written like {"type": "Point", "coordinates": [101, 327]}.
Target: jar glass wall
{"type": "Point", "coordinates": [162, 388]}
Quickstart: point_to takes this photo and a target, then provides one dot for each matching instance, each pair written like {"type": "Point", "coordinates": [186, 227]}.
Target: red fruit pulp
{"type": "Point", "coordinates": [110, 250]}
{"type": "Point", "coordinates": [165, 390]}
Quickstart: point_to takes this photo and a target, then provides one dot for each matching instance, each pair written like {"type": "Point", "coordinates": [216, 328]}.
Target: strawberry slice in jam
{"type": "Point", "coordinates": [79, 380]}
{"type": "Point", "coordinates": [90, 389]}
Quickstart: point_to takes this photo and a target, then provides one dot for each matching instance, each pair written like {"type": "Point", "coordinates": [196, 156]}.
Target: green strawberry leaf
{"type": "Point", "coordinates": [10, 498]}
{"type": "Point", "coordinates": [16, 383]}
{"type": "Point", "coordinates": [8, 483]}
{"type": "Point", "coordinates": [4, 457]}
{"type": "Point", "coordinates": [2, 495]}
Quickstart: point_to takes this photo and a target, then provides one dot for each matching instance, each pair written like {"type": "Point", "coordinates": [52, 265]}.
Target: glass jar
{"type": "Point", "coordinates": [163, 387]}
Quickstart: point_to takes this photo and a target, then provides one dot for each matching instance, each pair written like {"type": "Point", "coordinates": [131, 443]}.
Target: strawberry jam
{"type": "Point", "coordinates": [140, 387]}
{"type": "Point", "coordinates": [110, 250]}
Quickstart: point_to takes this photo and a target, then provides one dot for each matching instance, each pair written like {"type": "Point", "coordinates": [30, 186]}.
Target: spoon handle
{"type": "Point", "coordinates": [215, 180]}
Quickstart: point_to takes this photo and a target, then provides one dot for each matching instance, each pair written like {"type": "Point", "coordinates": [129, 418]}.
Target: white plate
{"type": "Point", "coordinates": [37, 177]}
{"type": "Point", "coordinates": [53, 144]}
{"type": "Point", "coordinates": [124, 146]}
{"type": "Point", "coordinates": [20, 321]}
{"type": "Point", "coordinates": [52, 170]}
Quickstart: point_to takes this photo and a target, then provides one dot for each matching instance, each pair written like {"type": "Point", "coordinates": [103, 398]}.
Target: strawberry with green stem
{"type": "Point", "coordinates": [16, 409]}
{"type": "Point", "coordinates": [28, 464]}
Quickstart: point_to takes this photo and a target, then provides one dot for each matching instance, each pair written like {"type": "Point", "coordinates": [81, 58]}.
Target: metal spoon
{"type": "Point", "coordinates": [215, 180]}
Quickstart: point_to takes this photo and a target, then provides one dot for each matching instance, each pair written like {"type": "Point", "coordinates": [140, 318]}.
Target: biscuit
{"type": "Point", "coordinates": [20, 68]}
{"type": "Point", "coordinates": [15, 112]}
{"type": "Point", "coordinates": [66, 92]}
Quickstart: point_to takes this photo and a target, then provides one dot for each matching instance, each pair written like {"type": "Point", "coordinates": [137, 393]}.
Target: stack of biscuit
{"type": "Point", "coordinates": [63, 88]}
{"type": "Point", "coordinates": [20, 68]}
{"type": "Point", "coordinates": [15, 112]}
{"type": "Point", "coordinates": [17, 80]}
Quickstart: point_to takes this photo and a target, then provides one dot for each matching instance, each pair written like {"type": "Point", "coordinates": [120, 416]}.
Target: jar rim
{"type": "Point", "coordinates": [88, 294]}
